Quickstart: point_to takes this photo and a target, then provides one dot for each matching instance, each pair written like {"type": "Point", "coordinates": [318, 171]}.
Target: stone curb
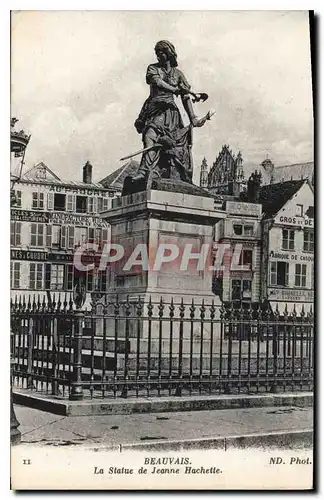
{"type": "Point", "coordinates": [159, 405]}
{"type": "Point", "coordinates": [295, 439]}
{"type": "Point", "coordinates": [277, 439]}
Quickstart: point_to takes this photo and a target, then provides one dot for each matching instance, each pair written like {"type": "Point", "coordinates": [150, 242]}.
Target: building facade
{"type": "Point", "coordinates": [49, 221]}
{"type": "Point", "coordinates": [270, 216]}
{"type": "Point", "coordinates": [288, 245]}
{"type": "Point", "coordinates": [226, 175]}
{"type": "Point", "coordinates": [239, 238]}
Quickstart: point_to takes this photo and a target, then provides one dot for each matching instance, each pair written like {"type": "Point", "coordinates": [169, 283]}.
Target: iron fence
{"type": "Point", "coordinates": [130, 348]}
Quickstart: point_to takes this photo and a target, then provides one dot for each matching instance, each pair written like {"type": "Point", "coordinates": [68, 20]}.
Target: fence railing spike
{"type": "Point", "coordinates": [71, 302]}
{"type": "Point", "coordinates": [302, 312]}
{"type": "Point", "coordinates": [65, 303]}
{"type": "Point", "coordinates": [59, 303]}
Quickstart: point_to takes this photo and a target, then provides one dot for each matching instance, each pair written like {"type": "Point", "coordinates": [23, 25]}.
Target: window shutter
{"type": "Point", "coordinates": [49, 235]}
{"type": "Point", "coordinates": [104, 204]}
{"type": "Point", "coordinates": [63, 236]}
{"type": "Point", "coordinates": [69, 276]}
{"type": "Point", "coordinates": [104, 236]}
{"type": "Point", "coordinates": [47, 276]}
{"type": "Point", "coordinates": [32, 276]}
{"type": "Point", "coordinates": [18, 233]}
{"type": "Point", "coordinates": [94, 205]}
{"type": "Point", "coordinates": [50, 201]}
{"type": "Point", "coordinates": [98, 235]}
{"type": "Point", "coordinates": [70, 203]}
{"type": "Point", "coordinates": [12, 233]}
{"type": "Point", "coordinates": [70, 236]}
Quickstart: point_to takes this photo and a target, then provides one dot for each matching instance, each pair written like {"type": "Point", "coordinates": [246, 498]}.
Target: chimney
{"type": "Point", "coordinates": [87, 173]}
{"type": "Point", "coordinates": [253, 187]}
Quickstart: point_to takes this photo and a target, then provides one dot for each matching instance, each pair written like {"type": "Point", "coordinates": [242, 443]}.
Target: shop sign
{"type": "Point", "coordinates": [291, 295]}
{"type": "Point", "coordinates": [65, 257]}
{"type": "Point", "coordinates": [29, 216]}
{"type": "Point", "coordinates": [295, 221]}
{"type": "Point", "coordinates": [241, 274]}
{"type": "Point", "coordinates": [291, 256]}
{"type": "Point", "coordinates": [234, 207]}
{"type": "Point", "coordinates": [28, 255]}
{"type": "Point", "coordinates": [77, 220]}
{"type": "Point", "coordinates": [78, 190]}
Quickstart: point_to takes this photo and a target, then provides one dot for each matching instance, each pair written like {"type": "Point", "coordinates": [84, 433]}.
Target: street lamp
{"type": "Point", "coordinates": [18, 143]}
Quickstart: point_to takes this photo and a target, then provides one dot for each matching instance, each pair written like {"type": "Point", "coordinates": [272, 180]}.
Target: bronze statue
{"type": "Point", "coordinates": [167, 143]}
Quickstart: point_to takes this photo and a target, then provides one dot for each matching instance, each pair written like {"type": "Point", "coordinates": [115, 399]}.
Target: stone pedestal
{"type": "Point", "coordinates": [150, 219]}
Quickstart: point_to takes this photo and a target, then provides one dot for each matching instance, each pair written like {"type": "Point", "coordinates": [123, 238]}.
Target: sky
{"type": "Point", "coordinates": [78, 83]}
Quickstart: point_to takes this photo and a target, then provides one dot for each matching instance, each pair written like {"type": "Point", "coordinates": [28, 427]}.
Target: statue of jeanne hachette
{"type": "Point", "coordinates": [167, 142]}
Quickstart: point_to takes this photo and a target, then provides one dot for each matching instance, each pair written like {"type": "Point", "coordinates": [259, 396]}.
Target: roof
{"type": "Point", "coordinates": [116, 178]}
{"type": "Point", "coordinates": [274, 196]}
{"type": "Point", "coordinates": [52, 179]}
{"type": "Point", "coordinates": [31, 173]}
{"type": "Point", "coordinates": [294, 172]}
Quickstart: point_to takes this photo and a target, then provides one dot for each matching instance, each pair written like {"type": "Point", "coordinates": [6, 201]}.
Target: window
{"type": "Point", "coordinates": [102, 204]}
{"type": "Point", "coordinates": [279, 273]}
{"type": "Point", "coordinates": [15, 274]}
{"type": "Point", "coordinates": [104, 236]}
{"type": "Point", "coordinates": [36, 275]}
{"type": "Point", "coordinates": [299, 210]}
{"type": "Point", "coordinates": [238, 229]}
{"type": "Point", "coordinates": [59, 202]}
{"type": "Point", "coordinates": [241, 289]}
{"type": "Point", "coordinates": [89, 281]}
{"type": "Point", "coordinates": [246, 258]}
{"type": "Point", "coordinates": [18, 199]}
{"type": "Point", "coordinates": [47, 276]}
{"type": "Point", "coordinates": [15, 233]}
{"type": "Point", "coordinates": [310, 212]}
{"type": "Point", "coordinates": [57, 277]}
{"type": "Point", "coordinates": [80, 235]}
{"type": "Point", "coordinates": [56, 235]}
{"type": "Point", "coordinates": [248, 230]}
{"type": "Point", "coordinates": [300, 275]}
{"type": "Point", "coordinates": [308, 241]}
{"type": "Point", "coordinates": [312, 277]}
{"type": "Point", "coordinates": [37, 235]}
{"type": "Point", "coordinates": [70, 203]}
{"type": "Point", "coordinates": [102, 280]}
{"type": "Point", "coordinates": [288, 239]}
{"type": "Point", "coordinates": [246, 289]}
{"type": "Point", "coordinates": [38, 201]}
{"type": "Point", "coordinates": [91, 234]}
{"type": "Point", "coordinates": [81, 204]}
{"type": "Point", "coordinates": [92, 205]}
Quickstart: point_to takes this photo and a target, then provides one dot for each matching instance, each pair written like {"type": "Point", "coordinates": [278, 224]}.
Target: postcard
{"type": "Point", "coordinates": [162, 250]}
